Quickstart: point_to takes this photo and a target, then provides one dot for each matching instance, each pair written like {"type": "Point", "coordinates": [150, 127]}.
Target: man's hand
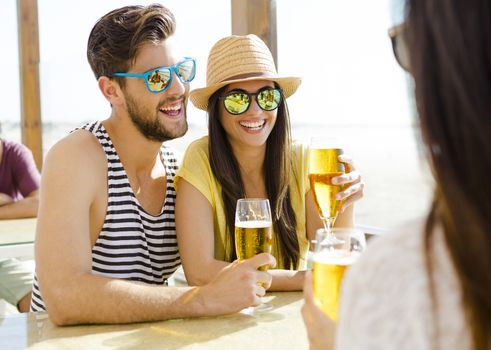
{"type": "Point", "coordinates": [237, 286]}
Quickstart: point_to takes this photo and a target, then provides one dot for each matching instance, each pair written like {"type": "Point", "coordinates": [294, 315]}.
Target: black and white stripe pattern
{"type": "Point", "coordinates": [133, 244]}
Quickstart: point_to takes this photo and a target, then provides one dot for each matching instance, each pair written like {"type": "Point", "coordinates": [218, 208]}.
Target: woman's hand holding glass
{"type": "Point", "coordinates": [334, 181]}
{"type": "Point", "coordinates": [351, 182]}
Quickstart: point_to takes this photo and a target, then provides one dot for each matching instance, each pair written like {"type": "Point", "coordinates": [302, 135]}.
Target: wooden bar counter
{"type": "Point", "coordinates": [279, 328]}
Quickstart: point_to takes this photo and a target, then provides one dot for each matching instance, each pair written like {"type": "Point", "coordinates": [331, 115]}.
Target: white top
{"type": "Point", "coordinates": [386, 299]}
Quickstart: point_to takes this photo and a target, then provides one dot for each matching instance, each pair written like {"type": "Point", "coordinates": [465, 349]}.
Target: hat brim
{"type": "Point", "coordinates": [200, 96]}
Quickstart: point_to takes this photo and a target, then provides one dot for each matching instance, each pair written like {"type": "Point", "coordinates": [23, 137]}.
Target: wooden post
{"type": "Point", "coordinates": [256, 17]}
{"type": "Point", "coordinates": [31, 125]}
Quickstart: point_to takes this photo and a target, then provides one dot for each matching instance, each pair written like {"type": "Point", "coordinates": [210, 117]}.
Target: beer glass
{"type": "Point", "coordinates": [323, 166]}
{"type": "Point", "coordinates": [253, 232]}
{"type": "Point", "coordinates": [331, 259]}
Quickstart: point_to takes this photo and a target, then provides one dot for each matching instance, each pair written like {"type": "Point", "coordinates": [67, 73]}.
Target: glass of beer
{"type": "Point", "coordinates": [253, 232]}
{"type": "Point", "coordinates": [331, 259]}
{"type": "Point", "coordinates": [323, 166]}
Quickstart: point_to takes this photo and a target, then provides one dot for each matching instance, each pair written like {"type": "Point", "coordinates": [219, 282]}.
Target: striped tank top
{"type": "Point", "coordinates": [132, 245]}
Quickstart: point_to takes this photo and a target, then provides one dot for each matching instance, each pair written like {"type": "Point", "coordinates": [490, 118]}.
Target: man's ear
{"type": "Point", "coordinates": [111, 90]}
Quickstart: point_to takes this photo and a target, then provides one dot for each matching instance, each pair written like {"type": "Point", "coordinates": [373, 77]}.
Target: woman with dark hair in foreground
{"type": "Point", "coordinates": [429, 285]}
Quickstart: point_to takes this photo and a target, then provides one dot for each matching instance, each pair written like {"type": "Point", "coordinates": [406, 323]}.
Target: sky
{"type": "Point", "coordinates": [339, 47]}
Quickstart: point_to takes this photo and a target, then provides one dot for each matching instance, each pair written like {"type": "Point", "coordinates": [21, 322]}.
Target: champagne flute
{"type": "Point", "coordinates": [330, 263]}
{"type": "Point", "coordinates": [253, 232]}
{"type": "Point", "coordinates": [323, 166]}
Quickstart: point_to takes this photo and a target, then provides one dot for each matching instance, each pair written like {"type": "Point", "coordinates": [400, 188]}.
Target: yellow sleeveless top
{"type": "Point", "coordinates": [195, 169]}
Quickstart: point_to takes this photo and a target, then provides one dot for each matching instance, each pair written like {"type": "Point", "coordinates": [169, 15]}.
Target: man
{"type": "Point", "coordinates": [106, 242]}
{"type": "Point", "coordinates": [19, 188]}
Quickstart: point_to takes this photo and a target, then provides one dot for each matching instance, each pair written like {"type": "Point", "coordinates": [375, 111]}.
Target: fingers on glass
{"type": "Point", "coordinates": [347, 162]}
{"type": "Point", "coordinates": [238, 102]}
{"type": "Point", "coordinates": [351, 177]}
{"type": "Point", "coordinates": [352, 199]}
{"type": "Point", "coordinates": [353, 190]}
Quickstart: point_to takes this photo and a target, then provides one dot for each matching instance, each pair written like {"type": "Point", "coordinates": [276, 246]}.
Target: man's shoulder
{"type": "Point", "coordinates": [80, 148]}
{"type": "Point", "coordinates": [77, 138]}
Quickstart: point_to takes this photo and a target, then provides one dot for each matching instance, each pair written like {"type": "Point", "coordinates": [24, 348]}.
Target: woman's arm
{"type": "Point", "coordinates": [195, 235]}
{"type": "Point", "coordinates": [286, 280]}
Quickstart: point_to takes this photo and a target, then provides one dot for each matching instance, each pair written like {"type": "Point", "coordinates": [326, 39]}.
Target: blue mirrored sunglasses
{"type": "Point", "coordinates": [159, 79]}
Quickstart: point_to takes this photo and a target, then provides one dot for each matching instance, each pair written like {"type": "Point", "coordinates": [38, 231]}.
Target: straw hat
{"type": "Point", "coordinates": [240, 58]}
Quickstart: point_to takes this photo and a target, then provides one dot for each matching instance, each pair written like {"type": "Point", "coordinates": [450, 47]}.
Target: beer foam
{"type": "Point", "coordinates": [336, 257]}
{"type": "Point", "coordinates": [253, 224]}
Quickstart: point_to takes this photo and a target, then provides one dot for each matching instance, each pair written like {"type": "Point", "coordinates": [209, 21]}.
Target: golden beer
{"type": "Point", "coordinates": [323, 166]}
{"type": "Point", "coordinates": [329, 268]}
{"type": "Point", "coordinates": [252, 238]}
{"type": "Point", "coordinates": [325, 194]}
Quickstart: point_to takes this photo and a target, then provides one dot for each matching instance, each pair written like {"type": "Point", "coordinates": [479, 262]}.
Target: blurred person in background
{"type": "Point", "coordinates": [19, 195]}
{"type": "Point", "coordinates": [429, 285]}
{"type": "Point", "coordinates": [19, 181]}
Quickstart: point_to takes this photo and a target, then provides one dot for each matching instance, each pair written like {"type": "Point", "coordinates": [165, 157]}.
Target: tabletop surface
{"type": "Point", "coordinates": [279, 328]}
{"type": "Point", "coordinates": [17, 231]}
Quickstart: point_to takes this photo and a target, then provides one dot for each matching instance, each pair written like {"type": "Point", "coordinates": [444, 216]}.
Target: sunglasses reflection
{"type": "Point", "coordinates": [239, 101]}
{"type": "Point", "coordinates": [158, 80]}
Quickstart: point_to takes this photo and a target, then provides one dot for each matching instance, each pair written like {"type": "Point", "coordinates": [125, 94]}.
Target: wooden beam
{"type": "Point", "coordinates": [256, 17]}
{"type": "Point", "coordinates": [31, 125]}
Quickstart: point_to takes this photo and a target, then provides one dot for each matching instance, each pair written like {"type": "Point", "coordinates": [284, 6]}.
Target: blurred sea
{"type": "Point", "coordinates": [397, 182]}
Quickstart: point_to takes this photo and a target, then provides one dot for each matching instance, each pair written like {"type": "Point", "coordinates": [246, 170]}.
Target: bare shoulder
{"type": "Point", "coordinates": [79, 154]}
{"type": "Point", "coordinates": [78, 147]}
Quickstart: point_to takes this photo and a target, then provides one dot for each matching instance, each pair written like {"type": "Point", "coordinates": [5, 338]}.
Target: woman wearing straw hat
{"type": "Point", "coordinates": [248, 153]}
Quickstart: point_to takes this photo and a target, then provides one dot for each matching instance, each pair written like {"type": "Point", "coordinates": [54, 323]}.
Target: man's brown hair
{"type": "Point", "coordinates": [116, 37]}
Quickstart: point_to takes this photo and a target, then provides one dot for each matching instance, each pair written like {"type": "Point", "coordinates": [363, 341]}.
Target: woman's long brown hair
{"type": "Point", "coordinates": [450, 45]}
{"type": "Point", "coordinates": [277, 174]}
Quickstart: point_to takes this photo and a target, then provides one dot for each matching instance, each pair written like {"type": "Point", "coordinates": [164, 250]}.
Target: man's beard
{"type": "Point", "coordinates": [150, 124]}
